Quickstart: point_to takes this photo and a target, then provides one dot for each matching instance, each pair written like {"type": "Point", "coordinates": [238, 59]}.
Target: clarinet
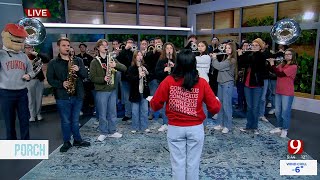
{"type": "Point", "coordinates": [168, 64]}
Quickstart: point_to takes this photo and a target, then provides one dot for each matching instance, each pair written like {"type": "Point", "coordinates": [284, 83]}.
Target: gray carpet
{"type": "Point", "coordinates": [145, 156]}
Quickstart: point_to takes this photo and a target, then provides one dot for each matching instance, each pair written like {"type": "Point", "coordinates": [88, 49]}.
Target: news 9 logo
{"type": "Point", "coordinates": [295, 146]}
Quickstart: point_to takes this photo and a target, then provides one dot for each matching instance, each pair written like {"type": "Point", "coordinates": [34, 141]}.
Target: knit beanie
{"type": "Point", "coordinates": [260, 42]}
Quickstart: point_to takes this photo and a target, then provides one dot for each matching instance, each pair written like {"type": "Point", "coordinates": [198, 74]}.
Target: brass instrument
{"type": "Point", "coordinates": [110, 72]}
{"type": "Point", "coordinates": [150, 48]}
{"type": "Point", "coordinates": [141, 68]}
{"type": "Point", "coordinates": [285, 31]}
{"type": "Point", "coordinates": [158, 47]}
{"type": "Point", "coordinates": [36, 35]}
{"type": "Point", "coordinates": [121, 47]}
{"type": "Point", "coordinates": [194, 47]}
{"type": "Point", "coordinates": [134, 48]}
{"type": "Point", "coordinates": [222, 49]}
{"type": "Point", "coordinates": [72, 78]}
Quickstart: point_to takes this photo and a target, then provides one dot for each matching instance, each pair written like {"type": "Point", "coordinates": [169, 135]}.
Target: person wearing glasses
{"type": "Point", "coordinates": [286, 73]}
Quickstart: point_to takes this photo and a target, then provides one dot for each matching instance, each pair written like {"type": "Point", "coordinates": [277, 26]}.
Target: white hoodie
{"type": "Point", "coordinates": [203, 66]}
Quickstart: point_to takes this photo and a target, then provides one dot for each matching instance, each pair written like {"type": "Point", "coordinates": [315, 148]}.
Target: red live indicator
{"type": "Point", "coordinates": [36, 12]}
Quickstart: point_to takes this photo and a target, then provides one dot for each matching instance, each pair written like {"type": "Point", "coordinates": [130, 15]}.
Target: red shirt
{"type": "Point", "coordinates": [285, 85]}
{"type": "Point", "coordinates": [184, 108]}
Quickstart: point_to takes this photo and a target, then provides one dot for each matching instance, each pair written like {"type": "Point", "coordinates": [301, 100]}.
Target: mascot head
{"type": "Point", "coordinates": [13, 37]}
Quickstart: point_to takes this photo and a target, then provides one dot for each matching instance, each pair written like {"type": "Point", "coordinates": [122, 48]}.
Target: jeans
{"type": "Point", "coordinates": [262, 105]}
{"type": "Point", "coordinates": [283, 110]}
{"type": "Point", "coordinates": [125, 92]}
{"type": "Point", "coordinates": [205, 110]}
{"type": "Point", "coordinates": [272, 92]}
{"type": "Point", "coordinates": [69, 112]}
{"type": "Point", "coordinates": [241, 98]}
{"type": "Point", "coordinates": [225, 95]}
{"type": "Point", "coordinates": [94, 93]}
{"type": "Point", "coordinates": [106, 104]}
{"type": "Point", "coordinates": [140, 114]}
{"type": "Point", "coordinates": [163, 114]}
{"type": "Point", "coordinates": [185, 146]}
{"type": "Point", "coordinates": [253, 97]}
{"type": "Point", "coordinates": [12, 102]}
{"type": "Point", "coordinates": [153, 85]}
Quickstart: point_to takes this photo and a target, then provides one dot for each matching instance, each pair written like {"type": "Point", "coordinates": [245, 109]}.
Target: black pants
{"type": "Point", "coordinates": [13, 101]}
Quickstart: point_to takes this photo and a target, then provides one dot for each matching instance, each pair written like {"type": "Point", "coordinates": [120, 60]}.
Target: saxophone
{"type": "Point", "coordinates": [110, 72]}
{"type": "Point", "coordinates": [72, 78]}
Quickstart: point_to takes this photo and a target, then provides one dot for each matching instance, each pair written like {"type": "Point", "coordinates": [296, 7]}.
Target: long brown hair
{"type": "Point", "coordinates": [134, 58]}
{"type": "Point", "coordinates": [233, 55]}
{"type": "Point", "coordinates": [163, 55]}
{"type": "Point", "coordinates": [294, 56]}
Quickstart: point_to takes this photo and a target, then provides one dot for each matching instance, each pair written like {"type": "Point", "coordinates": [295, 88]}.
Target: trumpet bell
{"type": "Point", "coordinates": [150, 47]}
{"type": "Point", "coordinates": [285, 31]}
{"type": "Point", "coordinates": [35, 29]}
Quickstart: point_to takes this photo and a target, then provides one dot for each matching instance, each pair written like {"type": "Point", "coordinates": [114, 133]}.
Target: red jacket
{"type": "Point", "coordinates": [185, 108]}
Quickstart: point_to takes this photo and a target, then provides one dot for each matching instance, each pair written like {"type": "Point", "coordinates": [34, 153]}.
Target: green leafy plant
{"type": "Point", "coordinates": [265, 21]}
{"type": "Point", "coordinates": [303, 79]}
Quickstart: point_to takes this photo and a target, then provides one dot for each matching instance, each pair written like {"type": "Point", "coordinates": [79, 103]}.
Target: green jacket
{"type": "Point", "coordinates": [97, 74]}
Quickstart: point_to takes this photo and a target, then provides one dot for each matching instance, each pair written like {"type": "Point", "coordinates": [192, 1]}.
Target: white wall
{"type": "Point", "coordinates": [306, 104]}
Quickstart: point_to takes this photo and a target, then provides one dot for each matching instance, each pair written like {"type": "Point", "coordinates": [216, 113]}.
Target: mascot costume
{"type": "Point", "coordinates": [15, 72]}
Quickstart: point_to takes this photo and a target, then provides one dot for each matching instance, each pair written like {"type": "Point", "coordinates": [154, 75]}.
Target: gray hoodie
{"type": "Point", "coordinates": [13, 66]}
{"type": "Point", "coordinates": [225, 68]}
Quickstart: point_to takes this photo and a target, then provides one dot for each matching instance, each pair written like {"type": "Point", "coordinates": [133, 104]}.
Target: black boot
{"type": "Point", "coordinates": [125, 118]}
{"type": "Point", "coordinates": [81, 143]}
{"type": "Point", "coordinates": [65, 147]}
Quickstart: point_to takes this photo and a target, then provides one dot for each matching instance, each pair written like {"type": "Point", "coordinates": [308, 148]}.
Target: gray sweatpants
{"type": "Point", "coordinates": [35, 91]}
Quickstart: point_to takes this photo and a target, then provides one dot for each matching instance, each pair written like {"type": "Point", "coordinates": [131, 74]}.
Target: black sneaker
{"type": "Point", "coordinates": [81, 143]}
{"type": "Point", "coordinates": [65, 147]}
{"type": "Point", "coordinates": [125, 118]}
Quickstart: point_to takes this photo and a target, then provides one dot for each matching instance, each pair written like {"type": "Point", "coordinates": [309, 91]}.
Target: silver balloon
{"type": "Point", "coordinates": [285, 31]}
{"type": "Point", "coordinates": [35, 29]}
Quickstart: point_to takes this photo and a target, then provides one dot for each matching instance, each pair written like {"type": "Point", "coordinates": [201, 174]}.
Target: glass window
{"type": "Point", "coordinates": [121, 13]}
{"type": "Point", "coordinates": [122, 37]}
{"type": "Point", "coordinates": [258, 15]}
{"type": "Point", "coordinates": [56, 9]}
{"type": "Point", "coordinates": [178, 41]}
{"type": "Point", "coordinates": [317, 91]}
{"type": "Point", "coordinates": [152, 15]}
{"type": "Point", "coordinates": [80, 11]}
{"type": "Point", "coordinates": [206, 38]}
{"type": "Point", "coordinates": [227, 19]}
{"type": "Point", "coordinates": [300, 10]}
{"type": "Point", "coordinates": [204, 22]}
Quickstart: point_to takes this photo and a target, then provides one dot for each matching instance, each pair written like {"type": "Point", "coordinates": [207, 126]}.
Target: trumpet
{"type": "Point", "coordinates": [150, 48]}
{"type": "Point", "coordinates": [134, 48]}
{"type": "Point", "coordinates": [121, 47]}
{"type": "Point", "coordinates": [158, 47]}
{"type": "Point", "coordinates": [194, 47]}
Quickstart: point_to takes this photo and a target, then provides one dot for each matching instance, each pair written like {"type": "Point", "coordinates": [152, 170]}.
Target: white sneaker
{"type": "Point", "coordinates": [81, 113]}
{"type": "Point", "coordinates": [133, 131]}
{"type": "Point", "coordinates": [263, 119]}
{"type": "Point", "coordinates": [215, 116]}
{"type": "Point", "coordinates": [269, 105]}
{"type": "Point", "coordinates": [96, 122]}
{"type": "Point", "coordinates": [147, 130]}
{"type": "Point", "coordinates": [115, 135]}
{"type": "Point", "coordinates": [32, 119]}
{"type": "Point", "coordinates": [256, 132]}
{"type": "Point", "coordinates": [219, 127]}
{"type": "Point", "coordinates": [39, 117]}
{"type": "Point", "coordinates": [284, 133]}
{"type": "Point", "coordinates": [163, 128]}
{"type": "Point", "coordinates": [225, 130]}
{"type": "Point", "coordinates": [101, 137]}
{"type": "Point", "coordinates": [275, 130]}
{"type": "Point", "coordinates": [272, 111]}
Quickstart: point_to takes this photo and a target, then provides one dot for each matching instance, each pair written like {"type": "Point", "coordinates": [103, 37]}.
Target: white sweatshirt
{"type": "Point", "coordinates": [203, 66]}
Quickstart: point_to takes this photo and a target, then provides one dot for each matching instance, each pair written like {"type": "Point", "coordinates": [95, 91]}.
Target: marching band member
{"type": "Point", "coordinates": [151, 60]}
{"type": "Point", "coordinates": [15, 71]}
{"type": "Point", "coordinates": [213, 48]}
{"type": "Point", "coordinates": [143, 46]}
{"type": "Point", "coordinates": [184, 93]}
{"type": "Point", "coordinates": [286, 73]}
{"type": "Point", "coordinates": [65, 75]}
{"type": "Point", "coordinates": [226, 76]}
{"type": "Point", "coordinates": [253, 80]}
{"type": "Point", "coordinates": [102, 75]}
{"type": "Point", "coordinates": [35, 85]}
{"type": "Point", "coordinates": [125, 58]}
{"type": "Point", "coordinates": [203, 66]}
{"type": "Point", "coordinates": [139, 91]}
{"type": "Point", "coordinates": [191, 39]}
{"type": "Point", "coordinates": [163, 69]}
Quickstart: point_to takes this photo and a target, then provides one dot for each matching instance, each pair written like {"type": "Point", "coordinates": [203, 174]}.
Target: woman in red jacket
{"type": "Point", "coordinates": [286, 73]}
{"type": "Point", "coordinates": [184, 92]}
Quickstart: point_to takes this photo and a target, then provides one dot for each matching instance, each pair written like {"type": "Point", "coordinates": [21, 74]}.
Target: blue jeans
{"type": "Point", "coordinates": [69, 111]}
{"type": "Point", "coordinates": [241, 98]}
{"type": "Point", "coordinates": [12, 102]}
{"type": "Point", "coordinates": [272, 90]}
{"type": "Point", "coordinates": [153, 85]}
{"type": "Point", "coordinates": [262, 105]}
{"type": "Point", "coordinates": [106, 104]}
{"type": "Point", "coordinates": [283, 110]}
{"type": "Point", "coordinates": [163, 114]}
{"type": "Point", "coordinates": [185, 146]}
{"type": "Point", "coordinates": [205, 110]}
{"type": "Point", "coordinates": [253, 97]}
{"type": "Point", "coordinates": [94, 93]}
{"type": "Point", "coordinates": [225, 95]}
{"type": "Point", "coordinates": [125, 92]}
{"type": "Point", "coordinates": [140, 114]}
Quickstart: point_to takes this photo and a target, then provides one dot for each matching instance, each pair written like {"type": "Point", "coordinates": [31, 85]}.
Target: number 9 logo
{"type": "Point", "coordinates": [295, 146]}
